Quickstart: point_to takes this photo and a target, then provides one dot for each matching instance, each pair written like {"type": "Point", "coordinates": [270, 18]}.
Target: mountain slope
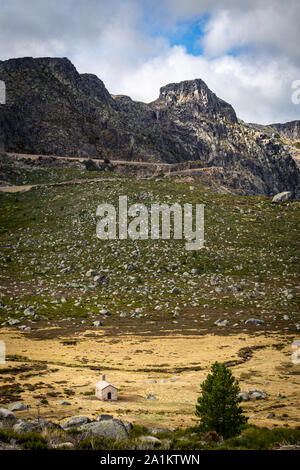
{"type": "Point", "coordinates": [52, 109]}
{"type": "Point", "coordinates": [289, 130]}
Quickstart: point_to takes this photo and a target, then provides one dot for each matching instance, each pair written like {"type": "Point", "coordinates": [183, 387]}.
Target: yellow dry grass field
{"type": "Point", "coordinates": [170, 367]}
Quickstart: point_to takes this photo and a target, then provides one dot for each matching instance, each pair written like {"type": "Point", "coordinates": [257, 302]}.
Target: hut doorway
{"type": "Point", "coordinates": [109, 396]}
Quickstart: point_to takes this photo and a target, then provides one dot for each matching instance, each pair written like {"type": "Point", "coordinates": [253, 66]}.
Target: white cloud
{"type": "Point", "coordinates": [271, 28]}
{"type": "Point", "coordinates": [259, 91]}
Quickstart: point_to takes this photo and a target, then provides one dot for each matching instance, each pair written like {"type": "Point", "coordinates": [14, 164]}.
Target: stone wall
{"type": "Point", "coordinates": [102, 394]}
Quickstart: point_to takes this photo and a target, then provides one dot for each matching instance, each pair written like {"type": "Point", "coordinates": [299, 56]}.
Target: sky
{"type": "Point", "coordinates": [246, 51]}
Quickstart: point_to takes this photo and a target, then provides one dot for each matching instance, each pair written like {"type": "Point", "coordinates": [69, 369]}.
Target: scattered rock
{"type": "Point", "coordinates": [26, 426]}
{"type": "Point", "coordinates": [257, 394]}
{"type": "Point", "coordinates": [214, 280]}
{"type": "Point", "coordinates": [112, 428]}
{"type": "Point", "coordinates": [75, 422]}
{"type": "Point", "coordinates": [196, 271]}
{"type": "Point", "coordinates": [99, 279]}
{"type": "Point", "coordinates": [91, 273]}
{"type": "Point", "coordinates": [222, 322]}
{"type": "Point", "coordinates": [63, 445]}
{"type": "Point", "coordinates": [244, 396]}
{"type": "Point", "coordinates": [158, 430]}
{"type": "Point", "coordinates": [42, 424]}
{"type": "Point", "coordinates": [7, 416]}
{"type": "Point", "coordinates": [254, 321]}
{"type": "Point", "coordinates": [17, 406]}
{"type": "Point", "coordinates": [150, 440]}
{"type": "Point", "coordinates": [104, 417]}
{"type": "Point", "coordinates": [289, 447]}
{"type": "Point", "coordinates": [38, 425]}
{"type": "Point", "coordinates": [282, 197]}
{"type": "Point", "coordinates": [13, 322]}
{"type": "Point", "coordinates": [29, 311]}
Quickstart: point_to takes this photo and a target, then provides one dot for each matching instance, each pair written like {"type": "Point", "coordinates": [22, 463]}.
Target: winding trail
{"type": "Point", "coordinates": [156, 169]}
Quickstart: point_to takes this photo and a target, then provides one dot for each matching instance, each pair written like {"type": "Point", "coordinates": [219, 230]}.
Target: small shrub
{"type": "Point", "coordinates": [254, 438]}
{"type": "Point", "coordinates": [180, 444]}
{"type": "Point", "coordinates": [32, 441]}
{"type": "Point", "coordinates": [138, 431]}
{"type": "Point", "coordinates": [164, 434]}
{"type": "Point", "coordinates": [28, 441]}
{"type": "Point", "coordinates": [6, 435]}
{"type": "Point", "coordinates": [90, 165]}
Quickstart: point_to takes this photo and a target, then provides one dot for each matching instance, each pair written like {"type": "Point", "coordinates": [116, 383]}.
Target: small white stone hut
{"type": "Point", "coordinates": [105, 391]}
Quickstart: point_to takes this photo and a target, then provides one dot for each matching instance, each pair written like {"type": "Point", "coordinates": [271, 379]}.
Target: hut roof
{"type": "Point", "coordinates": [103, 384]}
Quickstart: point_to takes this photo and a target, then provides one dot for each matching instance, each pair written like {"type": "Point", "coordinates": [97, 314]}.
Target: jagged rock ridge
{"type": "Point", "coordinates": [53, 110]}
{"type": "Point", "coordinates": [288, 130]}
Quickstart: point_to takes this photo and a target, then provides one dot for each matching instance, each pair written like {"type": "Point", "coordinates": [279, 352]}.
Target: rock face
{"type": "Point", "coordinates": [53, 110]}
{"type": "Point", "coordinates": [47, 99]}
{"type": "Point", "coordinates": [289, 130]}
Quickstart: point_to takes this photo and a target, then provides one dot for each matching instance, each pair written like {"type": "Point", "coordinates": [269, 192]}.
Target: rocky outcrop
{"type": "Point", "coordinates": [104, 426]}
{"type": "Point", "coordinates": [288, 130]}
{"type": "Point", "coordinates": [7, 417]}
{"type": "Point", "coordinates": [192, 98]}
{"type": "Point", "coordinates": [75, 422]}
{"type": "Point", "coordinates": [50, 108]}
{"type": "Point", "coordinates": [112, 428]}
{"type": "Point", "coordinates": [38, 425]}
{"type": "Point", "coordinates": [53, 110]}
{"type": "Point", "coordinates": [282, 197]}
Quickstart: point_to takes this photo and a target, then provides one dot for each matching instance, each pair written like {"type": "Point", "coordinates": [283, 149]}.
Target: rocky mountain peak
{"type": "Point", "coordinates": [61, 68]}
{"type": "Point", "coordinates": [188, 90]}
{"type": "Point", "coordinates": [195, 94]}
{"type": "Point", "coordinates": [51, 109]}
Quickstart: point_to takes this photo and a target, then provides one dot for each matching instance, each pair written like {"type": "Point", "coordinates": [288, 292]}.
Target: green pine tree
{"type": "Point", "coordinates": [218, 405]}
